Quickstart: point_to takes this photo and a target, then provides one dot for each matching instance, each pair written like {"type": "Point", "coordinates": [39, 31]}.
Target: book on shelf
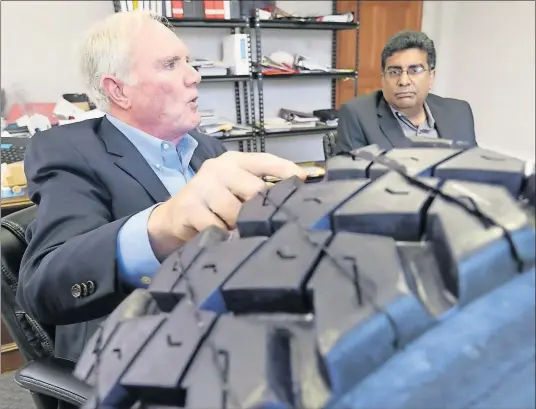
{"type": "Point", "coordinates": [289, 120]}
{"type": "Point", "coordinates": [189, 9]}
{"type": "Point", "coordinates": [209, 68]}
{"type": "Point", "coordinates": [215, 125]}
{"type": "Point", "coordinates": [297, 116]}
{"type": "Point", "coordinates": [281, 62]}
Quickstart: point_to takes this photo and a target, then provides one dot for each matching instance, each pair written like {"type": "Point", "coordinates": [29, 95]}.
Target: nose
{"type": "Point", "coordinates": [193, 77]}
{"type": "Point", "coordinates": [404, 80]}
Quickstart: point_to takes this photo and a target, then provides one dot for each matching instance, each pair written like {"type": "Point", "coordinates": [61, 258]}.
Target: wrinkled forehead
{"type": "Point", "coordinates": [155, 42]}
{"type": "Point", "coordinates": [407, 58]}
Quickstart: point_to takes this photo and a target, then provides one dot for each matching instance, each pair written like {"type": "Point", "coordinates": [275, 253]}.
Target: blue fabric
{"type": "Point", "coordinates": [136, 260]}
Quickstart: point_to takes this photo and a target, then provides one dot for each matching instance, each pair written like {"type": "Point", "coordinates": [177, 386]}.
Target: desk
{"type": "Point", "coordinates": [13, 204]}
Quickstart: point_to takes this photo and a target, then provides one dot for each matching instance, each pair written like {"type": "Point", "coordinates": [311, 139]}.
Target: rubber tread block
{"type": "Point", "coordinates": [344, 167]}
{"type": "Point", "coordinates": [213, 268]}
{"type": "Point", "coordinates": [389, 206]}
{"type": "Point", "coordinates": [529, 189]}
{"type": "Point", "coordinates": [86, 363]}
{"type": "Point", "coordinates": [164, 282]}
{"type": "Point", "coordinates": [156, 373]}
{"type": "Point", "coordinates": [424, 277]}
{"type": "Point", "coordinates": [256, 362]}
{"type": "Point", "coordinates": [484, 166]}
{"type": "Point", "coordinates": [370, 150]}
{"type": "Point", "coordinates": [426, 142]}
{"type": "Point", "coordinates": [119, 353]}
{"type": "Point", "coordinates": [92, 403]}
{"type": "Point", "coordinates": [363, 308]}
{"type": "Point", "coordinates": [498, 206]}
{"type": "Point", "coordinates": [311, 206]}
{"type": "Point", "coordinates": [134, 305]}
{"type": "Point", "coordinates": [416, 162]}
{"type": "Point", "coordinates": [255, 215]}
{"type": "Point", "coordinates": [475, 257]}
{"type": "Point", "coordinates": [273, 280]}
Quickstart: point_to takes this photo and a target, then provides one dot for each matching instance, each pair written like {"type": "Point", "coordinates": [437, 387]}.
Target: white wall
{"type": "Point", "coordinates": [38, 42]}
{"type": "Point", "coordinates": [486, 55]}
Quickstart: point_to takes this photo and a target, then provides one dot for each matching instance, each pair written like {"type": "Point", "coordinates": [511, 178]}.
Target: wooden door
{"type": "Point", "coordinates": [379, 20]}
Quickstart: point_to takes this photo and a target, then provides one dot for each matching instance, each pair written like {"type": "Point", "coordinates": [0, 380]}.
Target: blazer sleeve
{"type": "Point", "coordinates": [69, 272]}
{"type": "Point", "coordinates": [349, 133]}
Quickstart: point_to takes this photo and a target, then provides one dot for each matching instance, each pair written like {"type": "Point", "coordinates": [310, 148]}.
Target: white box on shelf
{"type": "Point", "coordinates": [235, 53]}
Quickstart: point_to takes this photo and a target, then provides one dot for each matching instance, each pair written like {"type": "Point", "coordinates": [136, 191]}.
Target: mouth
{"type": "Point", "coordinates": [405, 94]}
{"type": "Point", "coordinates": [193, 103]}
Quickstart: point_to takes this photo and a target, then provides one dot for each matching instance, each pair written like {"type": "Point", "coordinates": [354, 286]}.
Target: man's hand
{"type": "Point", "coordinates": [214, 197]}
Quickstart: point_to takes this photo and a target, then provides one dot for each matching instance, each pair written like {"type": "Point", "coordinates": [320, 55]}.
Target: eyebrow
{"type": "Point", "coordinates": [400, 67]}
{"type": "Point", "coordinates": [170, 59]}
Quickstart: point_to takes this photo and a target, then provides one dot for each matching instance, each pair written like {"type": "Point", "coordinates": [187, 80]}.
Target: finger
{"type": "Point", "coordinates": [243, 184]}
{"type": "Point", "coordinates": [224, 204]}
{"type": "Point", "coordinates": [266, 164]}
{"type": "Point", "coordinates": [203, 218]}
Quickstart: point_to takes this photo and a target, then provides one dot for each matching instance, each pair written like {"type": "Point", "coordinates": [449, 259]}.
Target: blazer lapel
{"type": "Point", "coordinates": [130, 160]}
{"type": "Point", "coordinates": [390, 126]}
{"type": "Point", "coordinates": [201, 154]}
{"type": "Point", "coordinates": [445, 127]}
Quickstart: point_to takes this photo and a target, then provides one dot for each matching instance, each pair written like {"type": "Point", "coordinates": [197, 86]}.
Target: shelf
{"type": "Point", "coordinates": [281, 24]}
{"type": "Point", "coordinates": [230, 138]}
{"type": "Point", "coordinates": [302, 75]}
{"type": "Point", "coordinates": [304, 25]}
{"type": "Point", "coordinates": [293, 132]}
{"type": "Point", "coordinates": [232, 78]}
{"type": "Point", "coordinates": [224, 78]}
{"type": "Point", "coordinates": [208, 23]}
{"type": "Point", "coordinates": [303, 131]}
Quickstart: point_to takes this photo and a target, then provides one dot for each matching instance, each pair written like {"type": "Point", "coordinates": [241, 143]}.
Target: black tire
{"type": "Point", "coordinates": [404, 279]}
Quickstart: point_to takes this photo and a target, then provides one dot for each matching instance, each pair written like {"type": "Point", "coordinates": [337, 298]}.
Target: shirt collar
{"type": "Point", "coordinates": [429, 117]}
{"type": "Point", "coordinates": [152, 148]}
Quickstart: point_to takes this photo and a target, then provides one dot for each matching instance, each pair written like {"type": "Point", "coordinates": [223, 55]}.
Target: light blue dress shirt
{"type": "Point", "coordinates": [171, 164]}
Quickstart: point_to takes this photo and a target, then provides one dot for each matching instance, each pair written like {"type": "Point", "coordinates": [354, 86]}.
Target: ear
{"type": "Point", "coordinates": [432, 77]}
{"type": "Point", "coordinates": [115, 89]}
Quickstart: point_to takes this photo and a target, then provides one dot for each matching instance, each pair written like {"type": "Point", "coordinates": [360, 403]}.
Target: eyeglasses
{"type": "Point", "coordinates": [412, 71]}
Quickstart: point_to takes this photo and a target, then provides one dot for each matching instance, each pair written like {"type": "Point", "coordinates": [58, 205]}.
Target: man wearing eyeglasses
{"type": "Point", "coordinates": [404, 107]}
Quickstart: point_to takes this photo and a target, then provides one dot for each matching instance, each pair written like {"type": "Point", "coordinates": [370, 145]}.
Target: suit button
{"type": "Point", "coordinates": [90, 287]}
{"type": "Point", "coordinates": [84, 289]}
{"type": "Point", "coordinates": [76, 291]}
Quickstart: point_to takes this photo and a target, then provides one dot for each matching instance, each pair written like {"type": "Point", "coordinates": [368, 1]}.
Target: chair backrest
{"type": "Point", "coordinates": [33, 340]}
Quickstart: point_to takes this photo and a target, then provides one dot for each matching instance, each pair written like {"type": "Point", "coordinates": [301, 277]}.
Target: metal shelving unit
{"type": "Point", "coordinates": [258, 25]}
{"type": "Point", "coordinates": [301, 131]}
{"type": "Point", "coordinates": [249, 87]}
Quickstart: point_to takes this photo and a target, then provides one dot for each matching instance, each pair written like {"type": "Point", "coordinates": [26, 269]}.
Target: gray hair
{"type": "Point", "coordinates": [107, 50]}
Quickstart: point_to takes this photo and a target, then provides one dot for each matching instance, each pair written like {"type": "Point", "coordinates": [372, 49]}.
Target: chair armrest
{"type": "Point", "coordinates": [53, 377]}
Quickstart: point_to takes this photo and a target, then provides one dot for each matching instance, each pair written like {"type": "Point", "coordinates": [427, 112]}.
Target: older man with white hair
{"type": "Point", "coordinates": [118, 194]}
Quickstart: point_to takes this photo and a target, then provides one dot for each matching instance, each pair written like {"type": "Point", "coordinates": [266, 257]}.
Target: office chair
{"type": "Point", "coordinates": [329, 143]}
{"type": "Point", "coordinates": [47, 378]}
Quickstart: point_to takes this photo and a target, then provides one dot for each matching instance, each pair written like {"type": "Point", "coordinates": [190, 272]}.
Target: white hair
{"type": "Point", "coordinates": [107, 50]}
